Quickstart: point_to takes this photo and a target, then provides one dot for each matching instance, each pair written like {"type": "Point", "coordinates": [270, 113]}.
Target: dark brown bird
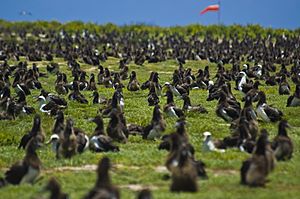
{"type": "Point", "coordinates": [170, 108]}
{"type": "Point", "coordinates": [133, 84]}
{"type": "Point", "coordinates": [157, 125]}
{"type": "Point", "coordinates": [181, 165]}
{"type": "Point", "coordinates": [36, 131]}
{"type": "Point", "coordinates": [294, 100]}
{"type": "Point", "coordinates": [57, 131]}
{"type": "Point", "coordinates": [82, 140]}
{"type": "Point", "coordinates": [255, 170]}
{"type": "Point", "coordinates": [27, 170]}
{"type": "Point", "coordinates": [144, 194]}
{"type": "Point", "coordinates": [100, 142]}
{"type": "Point", "coordinates": [92, 83]}
{"type": "Point", "coordinates": [153, 98]}
{"type": "Point", "coordinates": [187, 106]}
{"type": "Point", "coordinates": [55, 190]}
{"type": "Point", "coordinates": [181, 131]}
{"type": "Point", "coordinates": [116, 129]}
{"type": "Point", "coordinates": [225, 110]}
{"type": "Point", "coordinates": [282, 143]}
{"type": "Point", "coordinates": [76, 95]}
{"type": "Point", "coordinates": [68, 142]}
{"type": "Point", "coordinates": [97, 99]}
{"type": "Point", "coordinates": [58, 127]}
{"type": "Point", "coordinates": [284, 87]}
{"type": "Point", "coordinates": [266, 112]}
{"type": "Point", "coordinates": [103, 188]}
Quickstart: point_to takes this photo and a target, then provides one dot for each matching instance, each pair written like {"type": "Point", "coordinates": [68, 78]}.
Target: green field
{"type": "Point", "coordinates": [139, 163]}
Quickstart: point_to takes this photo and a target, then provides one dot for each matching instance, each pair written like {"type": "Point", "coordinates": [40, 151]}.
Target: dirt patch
{"type": "Point", "coordinates": [161, 169]}
{"type": "Point", "coordinates": [165, 72]}
{"type": "Point", "coordinates": [88, 167]}
{"type": "Point", "coordinates": [223, 172]}
{"type": "Point", "coordinates": [215, 172]}
{"type": "Point", "coordinates": [122, 166]}
{"type": "Point", "coordinates": [138, 187]}
{"type": "Point", "coordinates": [91, 167]}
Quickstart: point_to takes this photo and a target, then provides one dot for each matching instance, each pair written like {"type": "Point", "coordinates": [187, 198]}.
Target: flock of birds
{"type": "Point", "coordinates": [67, 140]}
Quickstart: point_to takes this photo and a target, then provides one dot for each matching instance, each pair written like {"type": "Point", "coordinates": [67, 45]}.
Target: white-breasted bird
{"type": "Point", "coordinates": [208, 144]}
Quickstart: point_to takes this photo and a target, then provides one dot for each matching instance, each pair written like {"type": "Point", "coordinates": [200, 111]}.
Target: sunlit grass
{"type": "Point", "coordinates": [138, 159]}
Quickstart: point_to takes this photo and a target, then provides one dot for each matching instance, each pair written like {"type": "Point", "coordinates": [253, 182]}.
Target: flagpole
{"type": "Point", "coordinates": [219, 13]}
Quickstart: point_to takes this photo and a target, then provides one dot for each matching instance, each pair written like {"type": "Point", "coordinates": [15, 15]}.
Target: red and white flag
{"type": "Point", "coordinates": [211, 8]}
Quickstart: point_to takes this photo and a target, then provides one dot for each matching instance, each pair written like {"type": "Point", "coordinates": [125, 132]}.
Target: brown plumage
{"type": "Point", "coordinates": [58, 127]}
{"type": "Point", "coordinates": [294, 100]}
{"type": "Point", "coordinates": [282, 143]}
{"type": "Point", "coordinates": [187, 106]}
{"type": "Point", "coordinates": [144, 194]}
{"type": "Point", "coordinates": [255, 170]}
{"type": "Point", "coordinates": [61, 88]}
{"type": "Point", "coordinates": [133, 84]}
{"type": "Point", "coordinates": [68, 142]}
{"type": "Point", "coordinates": [27, 170]}
{"type": "Point", "coordinates": [36, 131]}
{"type": "Point", "coordinates": [116, 129]}
{"type": "Point", "coordinates": [92, 83]}
{"type": "Point", "coordinates": [157, 125]}
{"type": "Point", "coordinates": [82, 140]}
{"type": "Point", "coordinates": [265, 111]}
{"type": "Point", "coordinates": [100, 142]}
{"type": "Point", "coordinates": [103, 188]}
{"type": "Point", "coordinates": [181, 131]}
{"type": "Point", "coordinates": [55, 190]}
{"type": "Point", "coordinates": [182, 167]}
{"type": "Point", "coordinates": [284, 87]}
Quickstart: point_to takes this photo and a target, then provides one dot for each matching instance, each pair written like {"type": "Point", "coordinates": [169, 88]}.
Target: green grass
{"type": "Point", "coordinates": [138, 160]}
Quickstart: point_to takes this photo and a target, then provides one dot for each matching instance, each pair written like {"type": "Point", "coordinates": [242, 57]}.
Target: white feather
{"type": "Point", "coordinates": [87, 142]}
{"type": "Point", "coordinates": [30, 176]}
{"type": "Point", "coordinates": [261, 113]}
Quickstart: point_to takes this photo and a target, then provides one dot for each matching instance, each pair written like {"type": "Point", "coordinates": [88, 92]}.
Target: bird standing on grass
{"type": "Point", "coordinates": [157, 125]}
{"type": "Point", "coordinates": [55, 190]}
{"type": "Point", "coordinates": [36, 132]}
{"type": "Point", "coordinates": [68, 142]}
{"type": "Point", "coordinates": [133, 84]}
{"type": "Point", "coordinates": [183, 170]}
{"type": "Point", "coordinates": [145, 194]}
{"type": "Point", "coordinates": [27, 170]}
{"type": "Point", "coordinates": [282, 143]}
{"type": "Point", "coordinates": [294, 100]}
{"type": "Point", "coordinates": [255, 170]}
{"type": "Point", "coordinates": [103, 188]}
{"type": "Point", "coordinates": [170, 108]}
{"type": "Point", "coordinates": [115, 128]}
{"type": "Point", "coordinates": [100, 142]}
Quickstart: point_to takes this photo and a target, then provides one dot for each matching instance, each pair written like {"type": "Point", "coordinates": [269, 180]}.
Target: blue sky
{"type": "Point", "coordinates": [268, 13]}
